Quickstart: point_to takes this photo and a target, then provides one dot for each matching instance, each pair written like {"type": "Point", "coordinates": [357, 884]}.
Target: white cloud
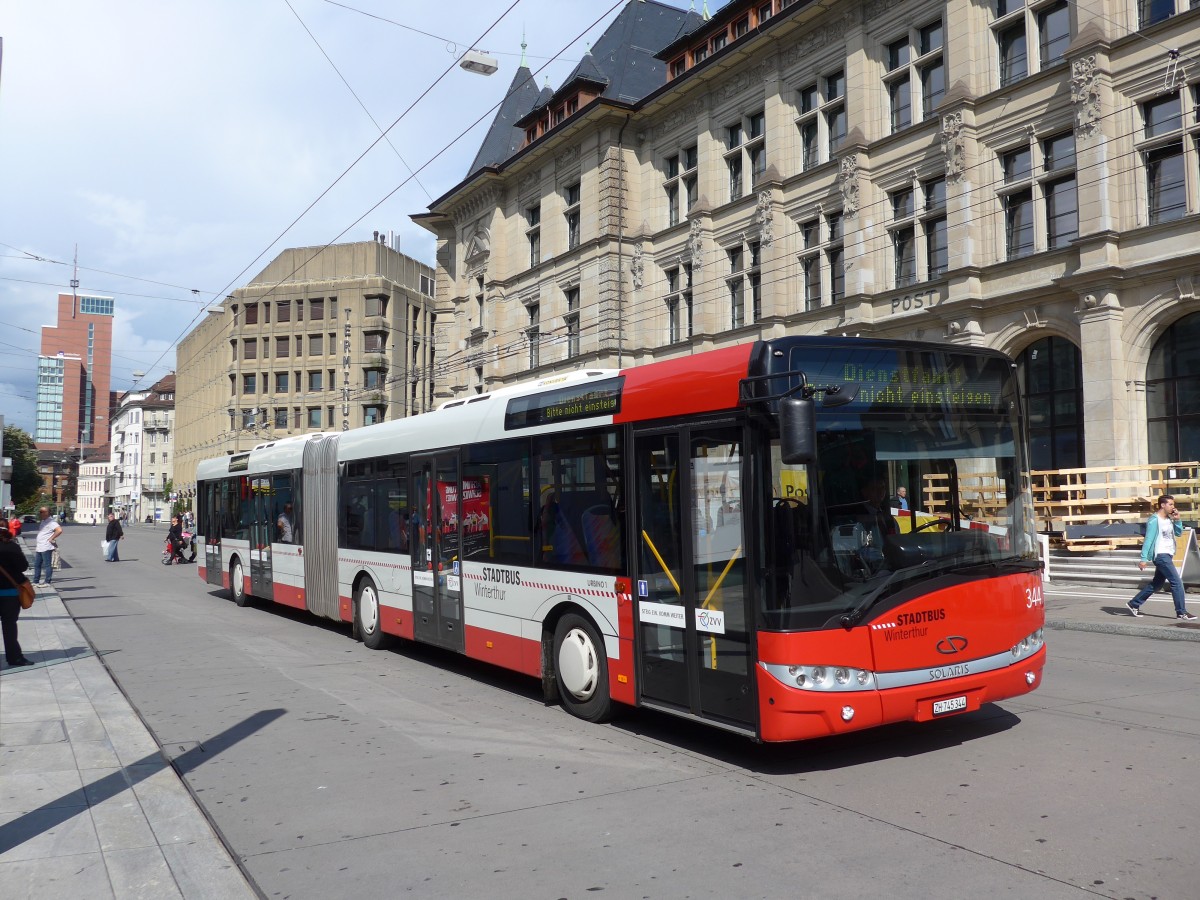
{"type": "Point", "coordinates": [175, 142]}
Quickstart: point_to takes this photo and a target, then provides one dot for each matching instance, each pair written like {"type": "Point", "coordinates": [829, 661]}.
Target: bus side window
{"type": "Point", "coordinates": [391, 503]}
{"type": "Point", "coordinates": [498, 521]}
{"type": "Point", "coordinates": [285, 520]}
{"type": "Point", "coordinates": [579, 524]}
{"type": "Point", "coordinates": [357, 516]}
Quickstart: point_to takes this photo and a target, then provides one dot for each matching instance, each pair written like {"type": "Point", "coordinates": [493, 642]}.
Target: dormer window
{"type": "Point", "coordinates": [740, 27]}
{"type": "Point", "coordinates": [559, 115]}
{"type": "Point", "coordinates": [678, 66]}
{"type": "Point", "coordinates": [719, 42]}
{"type": "Point", "coordinates": [572, 106]}
{"type": "Point", "coordinates": [699, 54]}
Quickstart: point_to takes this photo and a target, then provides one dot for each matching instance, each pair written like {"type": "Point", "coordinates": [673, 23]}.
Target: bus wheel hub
{"type": "Point", "coordinates": [578, 665]}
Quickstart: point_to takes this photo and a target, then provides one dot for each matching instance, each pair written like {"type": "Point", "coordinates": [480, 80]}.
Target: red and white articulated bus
{"type": "Point", "coordinates": [719, 537]}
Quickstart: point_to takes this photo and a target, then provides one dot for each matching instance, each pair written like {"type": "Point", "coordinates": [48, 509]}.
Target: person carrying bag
{"type": "Point", "coordinates": [13, 599]}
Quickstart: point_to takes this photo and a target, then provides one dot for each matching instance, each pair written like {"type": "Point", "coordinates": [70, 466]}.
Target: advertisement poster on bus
{"type": "Point", "coordinates": [476, 521]}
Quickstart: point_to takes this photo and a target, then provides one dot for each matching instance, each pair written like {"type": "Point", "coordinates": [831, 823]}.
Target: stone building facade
{"type": "Point", "coordinates": [1022, 177]}
{"type": "Point", "coordinates": [323, 339]}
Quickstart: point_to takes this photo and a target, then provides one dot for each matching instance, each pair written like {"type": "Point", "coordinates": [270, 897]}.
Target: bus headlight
{"type": "Point", "coordinates": [822, 678]}
{"type": "Point", "coordinates": [1028, 645]}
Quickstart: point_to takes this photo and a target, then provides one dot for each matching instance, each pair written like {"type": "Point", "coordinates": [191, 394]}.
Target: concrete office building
{"type": "Point", "coordinates": [1016, 176]}
{"type": "Point", "coordinates": [323, 339]}
{"type": "Point", "coordinates": [74, 370]}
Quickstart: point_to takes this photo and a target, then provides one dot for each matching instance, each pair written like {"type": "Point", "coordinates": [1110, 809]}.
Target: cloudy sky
{"type": "Point", "coordinates": [175, 143]}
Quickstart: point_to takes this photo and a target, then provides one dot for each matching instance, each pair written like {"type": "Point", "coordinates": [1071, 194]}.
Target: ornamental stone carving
{"type": "Point", "coordinates": [954, 146]}
{"type": "Point", "coordinates": [1187, 289]}
{"type": "Point", "coordinates": [567, 157]}
{"type": "Point", "coordinates": [479, 243]}
{"type": "Point", "coordinates": [848, 181]}
{"type": "Point", "coordinates": [821, 37]}
{"type": "Point", "coordinates": [528, 180]}
{"type": "Point", "coordinates": [637, 266]}
{"type": "Point", "coordinates": [764, 216]}
{"type": "Point", "coordinates": [678, 117]}
{"type": "Point", "coordinates": [740, 83]}
{"type": "Point", "coordinates": [484, 199]}
{"type": "Point", "coordinates": [1085, 94]}
{"type": "Point", "coordinates": [695, 244]}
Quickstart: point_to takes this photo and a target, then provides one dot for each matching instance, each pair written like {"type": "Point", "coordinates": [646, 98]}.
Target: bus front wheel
{"type": "Point", "coordinates": [370, 616]}
{"type": "Point", "coordinates": [237, 584]}
{"type": "Point", "coordinates": [581, 668]}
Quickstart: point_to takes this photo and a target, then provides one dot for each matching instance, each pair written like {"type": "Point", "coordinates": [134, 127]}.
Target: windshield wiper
{"type": "Point", "coordinates": [928, 567]}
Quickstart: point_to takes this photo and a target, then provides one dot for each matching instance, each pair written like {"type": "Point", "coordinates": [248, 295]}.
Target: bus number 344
{"type": "Point", "coordinates": [1033, 597]}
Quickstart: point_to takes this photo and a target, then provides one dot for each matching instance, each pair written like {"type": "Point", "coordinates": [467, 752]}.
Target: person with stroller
{"type": "Point", "coordinates": [175, 540]}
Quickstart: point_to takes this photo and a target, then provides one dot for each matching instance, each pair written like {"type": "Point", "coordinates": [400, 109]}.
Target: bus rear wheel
{"type": "Point", "coordinates": [370, 616]}
{"type": "Point", "coordinates": [581, 669]}
{"type": "Point", "coordinates": [237, 584]}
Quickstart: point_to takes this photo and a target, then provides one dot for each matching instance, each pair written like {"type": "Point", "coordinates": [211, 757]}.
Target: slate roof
{"type": "Point", "coordinates": [503, 138]}
{"type": "Point", "coordinates": [622, 59]}
{"type": "Point", "coordinates": [625, 52]}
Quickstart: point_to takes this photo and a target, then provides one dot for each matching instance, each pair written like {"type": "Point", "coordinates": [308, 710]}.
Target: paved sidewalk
{"type": "Point", "coordinates": [89, 805]}
{"type": "Point", "coordinates": [1086, 607]}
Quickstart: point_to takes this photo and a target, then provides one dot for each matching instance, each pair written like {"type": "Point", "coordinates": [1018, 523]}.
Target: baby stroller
{"type": "Point", "coordinates": [175, 554]}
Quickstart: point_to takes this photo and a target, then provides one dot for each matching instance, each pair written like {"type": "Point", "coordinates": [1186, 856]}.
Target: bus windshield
{"type": "Point", "coordinates": [904, 489]}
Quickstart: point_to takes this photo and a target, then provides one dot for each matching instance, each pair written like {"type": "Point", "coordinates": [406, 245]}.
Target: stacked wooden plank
{"type": "Point", "coordinates": [1104, 507]}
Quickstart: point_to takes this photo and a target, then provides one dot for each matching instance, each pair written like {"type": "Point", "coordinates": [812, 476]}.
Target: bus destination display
{"type": "Point", "coordinates": [965, 384]}
{"type": "Point", "coordinates": [577, 401]}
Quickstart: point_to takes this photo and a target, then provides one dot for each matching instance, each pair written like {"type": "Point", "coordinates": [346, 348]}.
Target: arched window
{"type": "Point", "coordinates": [1053, 377]}
{"type": "Point", "coordinates": [1173, 393]}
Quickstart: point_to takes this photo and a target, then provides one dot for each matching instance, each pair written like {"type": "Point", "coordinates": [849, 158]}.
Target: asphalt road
{"type": "Point", "coordinates": [335, 771]}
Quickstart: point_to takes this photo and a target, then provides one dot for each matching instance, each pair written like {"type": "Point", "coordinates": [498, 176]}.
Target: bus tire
{"type": "Point", "coordinates": [237, 583]}
{"type": "Point", "coordinates": [581, 668]}
{"type": "Point", "coordinates": [368, 616]}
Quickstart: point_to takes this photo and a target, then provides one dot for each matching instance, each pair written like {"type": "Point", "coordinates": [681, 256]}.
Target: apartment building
{"type": "Point", "coordinates": [93, 496]}
{"type": "Point", "coordinates": [323, 339]}
{"type": "Point", "coordinates": [1019, 176]}
{"type": "Point", "coordinates": [143, 454]}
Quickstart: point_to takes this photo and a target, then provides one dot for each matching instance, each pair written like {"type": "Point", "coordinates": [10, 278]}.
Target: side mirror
{"type": "Point", "coordinates": [798, 430]}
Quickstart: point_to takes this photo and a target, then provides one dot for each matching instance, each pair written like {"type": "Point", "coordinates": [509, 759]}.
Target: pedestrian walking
{"type": "Point", "coordinates": [1158, 549]}
{"type": "Point", "coordinates": [47, 542]}
{"type": "Point", "coordinates": [14, 526]}
{"type": "Point", "coordinates": [13, 564]}
{"type": "Point", "coordinates": [112, 534]}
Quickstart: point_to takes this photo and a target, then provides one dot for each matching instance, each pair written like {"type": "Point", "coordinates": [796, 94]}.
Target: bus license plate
{"type": "Point", "coordinates": [953, 704]}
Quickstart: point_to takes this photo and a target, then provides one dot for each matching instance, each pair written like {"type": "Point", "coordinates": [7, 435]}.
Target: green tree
{"type": "Point", "coordinates": [178, 505]}
{"type": "Point", "coordinates": [26, 480]}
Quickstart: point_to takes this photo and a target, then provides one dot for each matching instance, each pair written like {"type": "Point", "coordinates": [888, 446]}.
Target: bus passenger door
{"type": "Point", "coordinates": [694, 615]}
{"type": "Point", "coordinates": [214, 498]}
{"type": "Point", "coordinates": [436, 559]}
{"type": "Point", "coordinates": [260, 538]}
